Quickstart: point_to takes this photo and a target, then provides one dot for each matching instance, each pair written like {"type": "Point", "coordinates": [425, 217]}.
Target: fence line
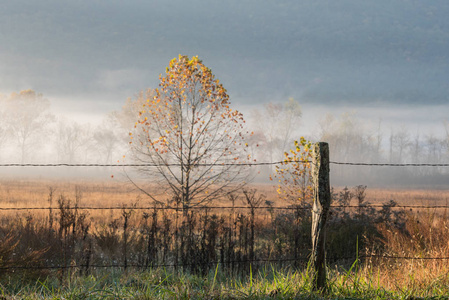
{"type": "Point", "coordinates": [228, 164]}
{"type": "Point", "coordinates": [268, 260]}
{"type": "Point", "coordinates": [154, 265]}
{"type": "Point", "coordinates": [146, 165]}
{"type": "Point", "coordinates": [81, 266]}
{"type": "Point", "coordinates": [387, 164]}
{"type": "Point", "coordinates": [157, 208]}
{"type": "Point", "coordinates": [226, 207]}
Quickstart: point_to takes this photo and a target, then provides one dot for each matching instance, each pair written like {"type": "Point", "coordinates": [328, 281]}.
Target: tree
{"type": "Point", "coordinates": [27, 116]}
{"type": "Point", "coordinates": [402, 143]}
{"type": "Point", "coordinates": [378, 143]}
{"type": "Point", "coordinates": [446, 138]}
{"type": "Point", "coordinates": [191, 135]}
{"type": "Point", "coordinates": [293, 175]}
{"type": "Point", "coordinates": [71, 138]}
{"type": "Point", "coordinates": [290, 120]}
{"type": "Point", "coordinates": [3, 124]}
{"type": "Point", "coordinates": [350, 141]}
{"type": "Point", "coordinates": [276, 130]}
{"type": "Point", "coordinates": [106, 138]}
{"type": "Point", "coordinates": [346, 137]}
{"type": "Point", "coordinates": [267, 132]}
{"type": "Point", "coordinates": [434, 148]}
{"type": "Point", "coordinates": [416, 149]}
{"type": "Point", "coordinates": [126, 117]}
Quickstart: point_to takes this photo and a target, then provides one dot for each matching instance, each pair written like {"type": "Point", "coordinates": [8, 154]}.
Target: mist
{"type": "Point", "coordinates": [367, 135]}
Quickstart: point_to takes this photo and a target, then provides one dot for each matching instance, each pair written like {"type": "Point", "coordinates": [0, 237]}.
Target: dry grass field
{"type": "Point", "coordinates": [34, 193]}
{"type": "Point", "coordinates": [100, 194]}
{"type": "Point", "coordinates": [409, 196]}
{"type": "Point", "coordinates": [408, 238]}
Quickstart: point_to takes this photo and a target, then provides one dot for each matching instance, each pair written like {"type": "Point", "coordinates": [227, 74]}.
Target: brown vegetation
{"type": "Point", "coordinates": [251, 230]}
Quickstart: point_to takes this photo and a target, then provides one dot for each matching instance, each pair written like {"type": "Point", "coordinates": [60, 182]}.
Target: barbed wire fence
{"type": "Point", "coordinates": [253, 164]}
{"type": "Point", "coordinates": [167, 207]}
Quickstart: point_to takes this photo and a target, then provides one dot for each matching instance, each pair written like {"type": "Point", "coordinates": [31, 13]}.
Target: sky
{"type": "Point", "coordinates": [385, 59]}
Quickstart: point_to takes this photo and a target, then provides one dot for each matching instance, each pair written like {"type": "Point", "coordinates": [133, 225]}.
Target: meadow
{"type": "Point", "coordinates": [249, 245]}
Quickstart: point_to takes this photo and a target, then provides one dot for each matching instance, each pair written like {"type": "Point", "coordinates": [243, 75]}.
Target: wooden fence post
{"type": "Point", "coordinates": [321, 204]}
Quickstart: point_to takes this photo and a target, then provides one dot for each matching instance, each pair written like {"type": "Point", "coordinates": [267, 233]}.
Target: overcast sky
{"type": "Point", "coordinates": [340, 55]}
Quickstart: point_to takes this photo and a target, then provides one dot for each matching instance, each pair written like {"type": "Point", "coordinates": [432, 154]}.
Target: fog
{"type": "Point", "coordinates": [369, 135]}
{"type": "Point", "coordinates": [384, 64]}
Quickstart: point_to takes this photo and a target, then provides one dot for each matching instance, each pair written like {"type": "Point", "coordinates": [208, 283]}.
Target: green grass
{"type": "Point", "coordinates": [268, 283]}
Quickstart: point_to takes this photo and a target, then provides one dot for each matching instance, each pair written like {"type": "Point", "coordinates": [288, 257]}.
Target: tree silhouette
{"type": "Point", "coordinates": [188, 130]}
{"type": "Point", "coordinates": [27, 116]}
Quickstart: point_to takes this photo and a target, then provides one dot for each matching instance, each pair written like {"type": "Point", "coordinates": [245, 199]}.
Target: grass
{"type": "Point", "coordinates": [268, 283]}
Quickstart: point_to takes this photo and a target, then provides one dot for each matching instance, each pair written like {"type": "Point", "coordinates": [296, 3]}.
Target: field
{"type": "Point", "coordinates": [253, 245]}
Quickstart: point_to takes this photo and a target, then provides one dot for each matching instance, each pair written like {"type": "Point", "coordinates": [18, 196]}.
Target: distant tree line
{"type": "Point", "coordinates": [30, 133]}
{"type": "Point", "coordinates": [351, 140]}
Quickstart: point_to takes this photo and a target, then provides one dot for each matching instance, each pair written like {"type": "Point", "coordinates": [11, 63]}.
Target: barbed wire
{"type": "Point", "coordinates": [175, 265]}
{"type": "Point", "coordinates": [387, 205]}
{"type": "Point", "coordinates": [225, 207]}
{"type": "Point", "coordinates": [388, 164]}
{"type": "Point", "coordinates": [142, 266]}
{"type": "Point", "coordinates": [151, 208]}
{"type": "Point", "coordinates": [226, 164]}
{"type": "Point", "coordinates": [405, 257]}
{"type": "Point", "coordinates": [145, 165]}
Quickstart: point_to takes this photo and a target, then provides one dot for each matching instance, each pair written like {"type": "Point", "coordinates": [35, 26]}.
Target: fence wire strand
{"type": "Point", "coordinates": [147, 164]}
{"type": "Point", "coordinates": [227, 164]}
{"type": "Point", "coordinates": [180, 265]}
{"type": "Point", "coordinates": [140, 266]}
{"type": "Point", "coordinates": [387, 164]}
{"type": "Point", "coordinates": [227, 207]}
